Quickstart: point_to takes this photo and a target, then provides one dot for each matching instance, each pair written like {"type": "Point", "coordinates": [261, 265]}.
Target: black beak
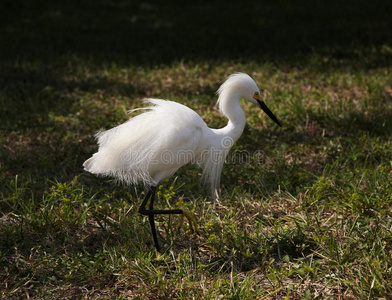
{"type": "Point", "coordinates": [268, 112]}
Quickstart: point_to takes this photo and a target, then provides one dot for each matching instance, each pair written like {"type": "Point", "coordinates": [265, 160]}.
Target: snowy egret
{"type": "Point", "coordinates": [153, 145]}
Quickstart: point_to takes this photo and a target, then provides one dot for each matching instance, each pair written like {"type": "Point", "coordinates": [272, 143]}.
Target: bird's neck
{"type": "Point", "coordinates": [229, 105]}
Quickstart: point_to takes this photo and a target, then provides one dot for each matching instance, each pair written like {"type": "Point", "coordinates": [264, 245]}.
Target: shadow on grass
{"type": "Point", "coordinates": [158, 32]}
{"type": "Point", "coordinates": [44, 41]}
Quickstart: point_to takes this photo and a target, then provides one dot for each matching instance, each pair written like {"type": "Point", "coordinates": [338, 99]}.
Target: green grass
{"type": "Point", "coordinates": [308, 215]}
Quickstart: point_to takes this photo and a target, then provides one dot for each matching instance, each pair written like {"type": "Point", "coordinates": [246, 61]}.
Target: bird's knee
{"type": "Point", "coordinates": [143, 211]}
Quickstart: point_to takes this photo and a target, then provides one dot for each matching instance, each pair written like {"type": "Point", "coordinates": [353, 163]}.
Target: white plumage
{"type": "Point", "coordinates": [153, 145]}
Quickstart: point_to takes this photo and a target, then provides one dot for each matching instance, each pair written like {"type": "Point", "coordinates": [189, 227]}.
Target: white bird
{"type": "Point", "coordinates": [153, 145]}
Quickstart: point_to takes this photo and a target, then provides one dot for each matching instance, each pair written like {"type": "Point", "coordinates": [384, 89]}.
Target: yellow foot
{"type": "Point", "coordinates": [191, 219]}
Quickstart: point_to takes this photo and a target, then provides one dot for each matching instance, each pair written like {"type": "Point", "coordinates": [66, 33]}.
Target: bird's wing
{"type": "Point", "coordinates": [151, 145]}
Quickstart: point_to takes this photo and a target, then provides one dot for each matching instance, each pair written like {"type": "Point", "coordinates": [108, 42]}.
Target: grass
{"type": "Point", "coordinates": [307, 214]}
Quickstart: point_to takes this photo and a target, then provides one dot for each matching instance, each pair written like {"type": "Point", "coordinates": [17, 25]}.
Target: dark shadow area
{"type": "Point", "coordinates": [155, 32]}
{"type": "Point", "coordinates": [43, 41]}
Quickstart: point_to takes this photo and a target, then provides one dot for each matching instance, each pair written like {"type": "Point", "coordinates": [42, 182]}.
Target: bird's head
{"type": "Point", "coordinates": [245, 87]}
{"type": "Point", "coordinates": [260, 103]}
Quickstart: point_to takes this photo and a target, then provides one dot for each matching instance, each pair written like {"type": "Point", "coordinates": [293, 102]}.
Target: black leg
{"type": "Point", "coordinates": [147, 212]}
{"type": "Point", "coordinates": [154, 232]}
{"type": "Point", "coordinates": [150, 194]}
{"type": "Point", "coordinates": [150, 212]}
{"type": "Point", "coordinates": [152, 221]}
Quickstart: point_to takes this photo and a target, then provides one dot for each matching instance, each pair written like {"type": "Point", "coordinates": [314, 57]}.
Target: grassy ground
{"type": "Point", "coordinates": [308, 213]}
